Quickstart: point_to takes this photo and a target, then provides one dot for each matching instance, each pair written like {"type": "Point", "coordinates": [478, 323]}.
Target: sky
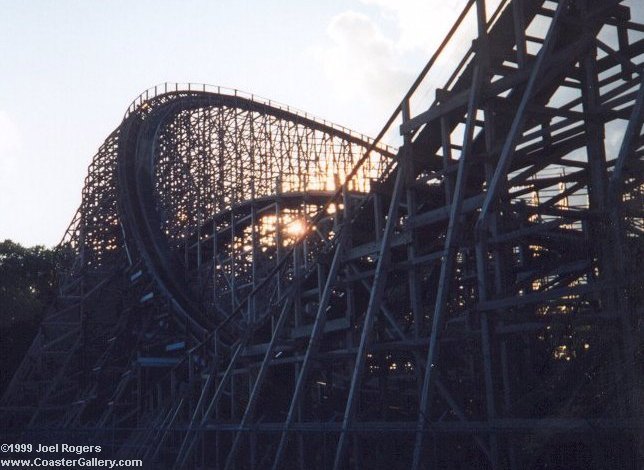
{"type": "Point", "coordinates": [71, 68]}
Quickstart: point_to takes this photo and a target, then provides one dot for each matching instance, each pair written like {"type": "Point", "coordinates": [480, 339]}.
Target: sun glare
{"type": "Point", "coordinates": [296, 229]}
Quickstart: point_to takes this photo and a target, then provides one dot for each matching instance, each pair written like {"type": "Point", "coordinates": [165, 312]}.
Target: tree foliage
{"type": "Point", "coordinates": [27, 286]}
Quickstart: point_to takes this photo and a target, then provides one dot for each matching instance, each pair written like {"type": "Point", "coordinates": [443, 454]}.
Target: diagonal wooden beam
{"type": "Point", "coordinates": [313, 346]}
{"type": "Point", "coordinates": [259, 382]}
{"type": "Point", "coordinates": [379, 281]}
{"type": "Point", "coordinates": [449, 258]}
{"type": "Point", "coordinates": [516, 128]}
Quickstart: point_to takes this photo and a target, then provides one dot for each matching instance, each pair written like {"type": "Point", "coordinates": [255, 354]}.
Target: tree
{"type": "Point", "coordinates": [27, 286]}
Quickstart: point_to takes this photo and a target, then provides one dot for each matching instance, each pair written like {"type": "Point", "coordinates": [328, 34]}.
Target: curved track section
{"type": "Point", "coordinates": [137, 162]}
{"type": "Point", "coordinates": [250, 287]}
{"type": "Point", "coordinates": [194, 192]}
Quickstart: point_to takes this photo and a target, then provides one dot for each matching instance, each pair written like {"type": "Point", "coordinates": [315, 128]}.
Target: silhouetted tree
{"type": "Point", "coordinates": [27, 286]}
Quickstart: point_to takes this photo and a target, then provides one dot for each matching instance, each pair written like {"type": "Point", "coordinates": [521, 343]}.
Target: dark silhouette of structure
{"type": "Point", "coordinates": [253, 287]}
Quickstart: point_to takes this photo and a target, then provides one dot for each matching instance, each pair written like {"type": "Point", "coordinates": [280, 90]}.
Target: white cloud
{"type": "Point", "coordinates": [372, 56]}
{"type": "Point", "coordinates": [361, 61]}
{"type": "Point", "coordinates": [421, 23]}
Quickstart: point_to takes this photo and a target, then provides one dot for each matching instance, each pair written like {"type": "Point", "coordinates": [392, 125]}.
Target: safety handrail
{"type": "Point", "coordinates": [172, 87]}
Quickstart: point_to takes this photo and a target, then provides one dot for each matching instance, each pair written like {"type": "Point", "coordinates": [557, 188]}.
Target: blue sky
{"type": "Point", "coordinates": [70, 69]}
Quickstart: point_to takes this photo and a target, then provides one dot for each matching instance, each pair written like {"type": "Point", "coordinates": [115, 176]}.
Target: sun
{"type": "Point", "coordinates": [296, 229]}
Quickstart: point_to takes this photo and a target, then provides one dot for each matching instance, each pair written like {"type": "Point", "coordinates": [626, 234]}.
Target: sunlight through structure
{"type": "Point", "coordinates": [251, 287]}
